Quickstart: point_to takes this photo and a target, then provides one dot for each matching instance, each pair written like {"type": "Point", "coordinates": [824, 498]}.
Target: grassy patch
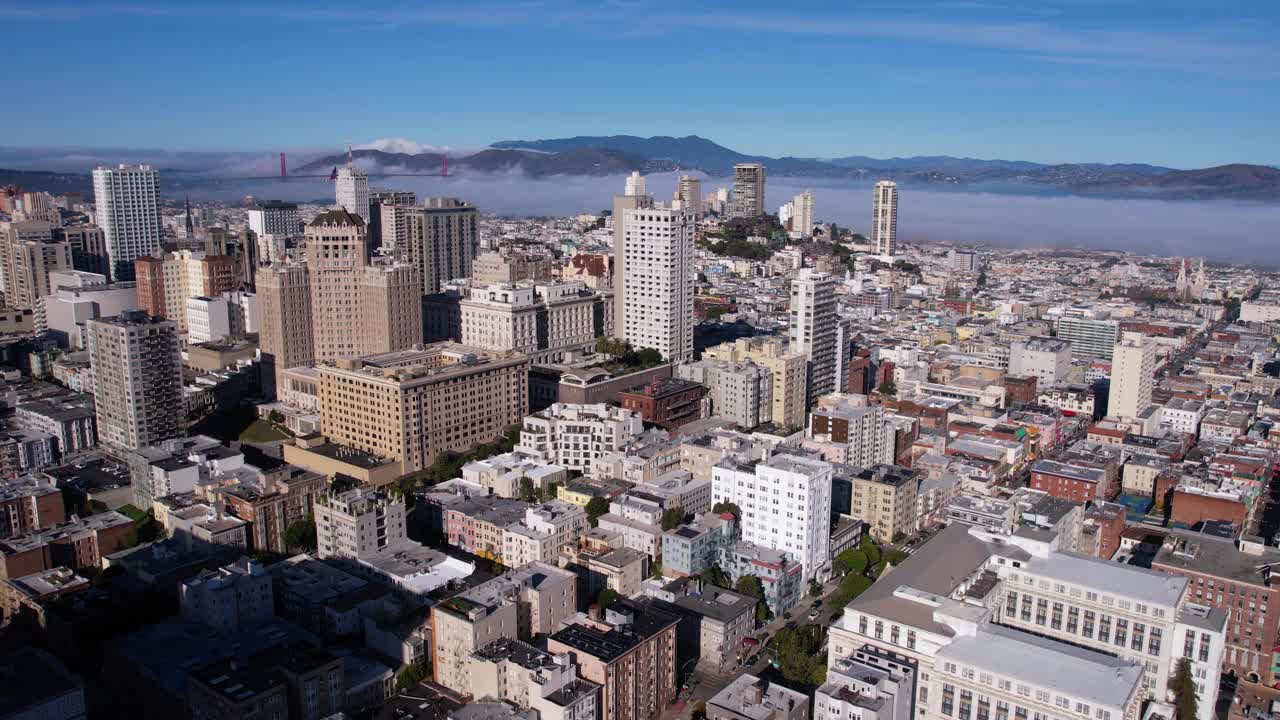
{"type": "Point", "coordinates": [261, 431]}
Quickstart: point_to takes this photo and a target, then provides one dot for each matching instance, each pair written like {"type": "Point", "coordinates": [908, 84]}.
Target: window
{"type": "Point", "coordinates": [948, 698]}
{"type": "Point", "coordinates": [879, 630]}
{"type": "Point", "coordinates": [1153, 641]}
{"type": "Point", "coordinates": [893, 634]}
{"type": "Point", "coordinates": [1104, 628]}
{"type": "Point", "coordinates": [911, 639]}
{"type": "Point", "coordinates": [1087, 629]}
{"type": "Point", "coordinates": [1042, 610]}
{"type": "Point", "coordinates": [1073, 619]}
{"type": "Point", "coordinates": [862, 624]}
{"type": "Point", "coordinates": [1056, 621]}
{"type": "Point", "coordinates": [1011, 605]}
{"type": "Point", "coordinates": [1122, 631]}
{"type": "Point", "coordinates": [1139, 636]}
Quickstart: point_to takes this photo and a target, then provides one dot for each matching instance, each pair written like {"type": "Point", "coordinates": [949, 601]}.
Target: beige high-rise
{"type": "Point", "coordinates": [28, 253]}
{"type": "Point", "coordinates": [412, 405]}
{"type": "Point", "coordinates": [1133, 367]}
{"type": "Point", "coordinates": [391, 302]}
{"type": "Point", "coordinates": [621, 204]}
{"type": "Point", "coordinates": [337, 254]}
{"type": "Point", "coordinates": [438, 237]}
{"type": "Point", "coordinates": [789, 372]}
{"type": "Point", "coordinates": [285, 338]}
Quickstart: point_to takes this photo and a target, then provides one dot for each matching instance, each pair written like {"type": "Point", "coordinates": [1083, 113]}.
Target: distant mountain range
{"type": "Point", "coordinates": [621, 154]}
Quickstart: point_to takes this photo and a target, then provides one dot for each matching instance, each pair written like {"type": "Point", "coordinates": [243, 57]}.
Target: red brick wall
{"type": "Point", "coordinates": [1067, 488]}
{"type": "Point", "coordinates": [149, 273]}
{"type": "Point", "coordinates": [1190, 509]}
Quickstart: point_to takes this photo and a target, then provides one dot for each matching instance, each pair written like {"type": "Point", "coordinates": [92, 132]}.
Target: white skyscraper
{"type": "Point", "coordinates": [127, 208]}
{"type": "Point", "coordinates": [635, 184]}
{"type": "Point", "coordinates": [802, 213]}
{"type": "Point", "coordinates": [1133, 364]}
{"type": "Point", "coordinates": [275, 218]}
{"type": "Point", "coordinates": [785, 503]}
{"type": "Point", "coordinates": [689, 192]}
{"type": "Point", "coordinates": [813, 330]}
{"type": "Point", "coordinates": [351, 189]}
{"type": "Point", "coordinates": [657, 287]}
{"type": "Point", "coordinates": [884, 218]}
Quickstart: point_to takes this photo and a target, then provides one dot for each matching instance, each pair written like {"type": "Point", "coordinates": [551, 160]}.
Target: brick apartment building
{"type": "Point", "coordinates": [667, 403]}
{"type": "Point", "coordinates": [75, 544]}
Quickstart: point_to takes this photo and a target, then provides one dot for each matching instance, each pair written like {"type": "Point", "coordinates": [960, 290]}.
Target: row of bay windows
{"type": "Point", "coordinates": [1088, 624]}
{"type": "Point", "coordinates": [964, 704]}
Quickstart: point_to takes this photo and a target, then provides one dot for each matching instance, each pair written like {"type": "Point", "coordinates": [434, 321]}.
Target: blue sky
{"type": "Point", "coordinates": [1179, 83]}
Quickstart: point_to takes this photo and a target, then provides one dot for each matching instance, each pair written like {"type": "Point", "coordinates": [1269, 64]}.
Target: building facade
{"type": "Point", "coordinates": [127, 208]}
{"type": "Point", "coordinates": [137, 370]}
{"type": "Point", "coordinates": [658, 280]}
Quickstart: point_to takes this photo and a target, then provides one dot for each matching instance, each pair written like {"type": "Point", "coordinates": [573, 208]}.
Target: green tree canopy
{"type": "Point", "coordinates": [799, 654]}
{"type": "Point", "coordinates": [868, 547]}
{"type": "Point", "coordinates": [672, 518]}
{"type": "Point", "coordinates": [1185, 702]}
{"type": "Point", "coordinates": [750, 585]}
{"type": "Point", "coordinates": [850, 561]}
{"type": "Point", "coordinates": [713, 575]}
{"type": "Point", "coordinates": [732, 509]}
{"type": "Point", "coordinates": [300, 536]}
{"type": "Point", "coordinates": [527, 492]}
{"type": "Point", "coordinates": [850, 588]}
{"type": "Point", "coordinates": [607, 597]}
{"type": "Point", "coordinates": [888, 388]}
{"type": "Point", "coordinates": [596, 507]}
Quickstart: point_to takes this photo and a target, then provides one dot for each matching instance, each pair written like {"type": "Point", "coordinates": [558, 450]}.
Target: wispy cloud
{"type": "Point", "coordinates": [941, 22]}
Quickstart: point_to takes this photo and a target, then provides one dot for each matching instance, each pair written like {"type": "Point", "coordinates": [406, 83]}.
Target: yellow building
{"type": "Point", "coordinates": [316, 453]}
{"type": "Point", "coordinates": [412, 405]}
{"type": "Point", "coordinates": [787, 368]}
{"type": "Point", "coordinates": [577, 493]}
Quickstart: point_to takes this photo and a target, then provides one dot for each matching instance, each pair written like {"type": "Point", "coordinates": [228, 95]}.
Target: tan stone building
{"type": "Point", "coordinates": [412, 405]}
{"type": "Point", "coordinates": [391, 301]}
{"type": "Point", "coordinates": [546, 321]}
{"type": "Point", "coordinates": [439, 237]}
{"type": "Point", "coordinates": [787, 369]}
{"type": "Point", "coordinates": [884, 496]}
{"type": "Point", "coordinates": [337, 254]}
{"type": "Point", "coordinates": [531, 600]}
{"type": "Point", "coordinates": [28, 264]}
{"type": "Point", "coordinates": [284, 298]}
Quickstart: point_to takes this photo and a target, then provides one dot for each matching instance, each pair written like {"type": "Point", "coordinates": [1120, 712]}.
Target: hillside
{"type": "Point", "coordinates": [578, 161]}
{"type": "Point", "coordinates": [50, 182]}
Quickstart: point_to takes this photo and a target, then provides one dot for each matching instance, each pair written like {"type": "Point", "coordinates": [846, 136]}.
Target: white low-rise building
{"type": "Point", "coordinates": [574, 435]}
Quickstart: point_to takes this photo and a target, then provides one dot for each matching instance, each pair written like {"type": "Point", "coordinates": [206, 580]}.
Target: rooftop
{"type": "Point", "coordinates": [1219, 557]}
{"type": "Point", "coordinates": [1131, 581]}
{"type": "Point", "coordinates": [1041, 662]}
{"type": "Point", "coordinates": [757, 698]}
{"type": "Point", "coordinates": [643, 621]}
